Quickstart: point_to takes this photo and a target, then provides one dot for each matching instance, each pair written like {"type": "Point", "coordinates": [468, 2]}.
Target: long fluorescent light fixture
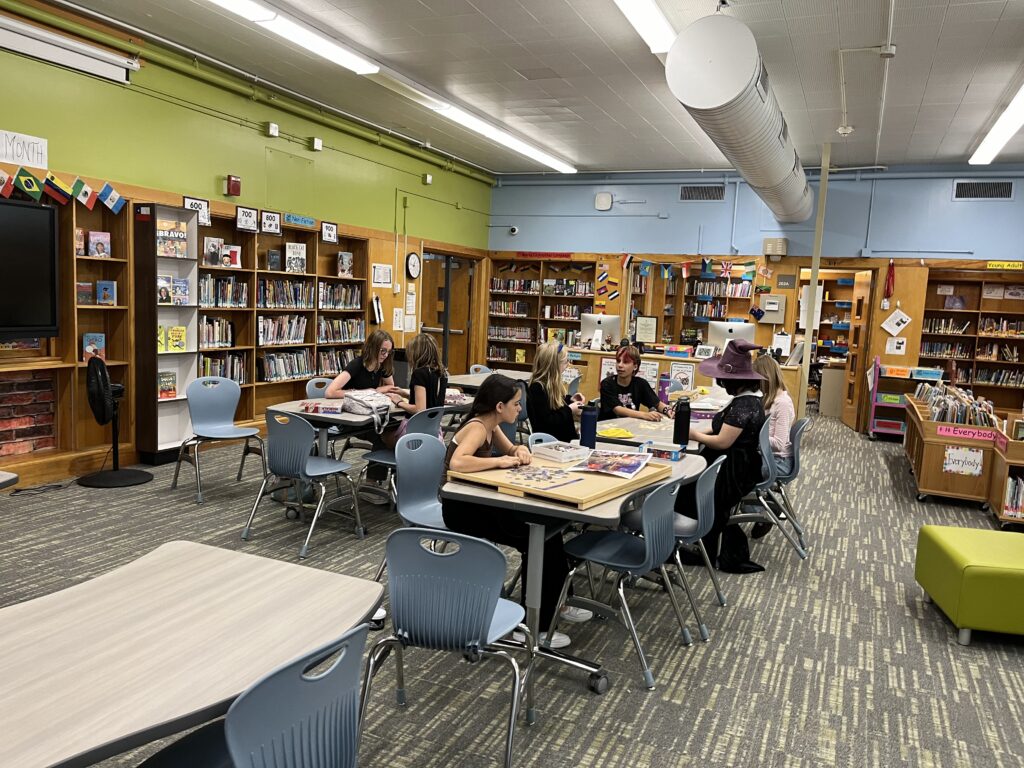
{"type": "Point", "coordinates": [49, 46]}
{"type": "Point", "coordinates": [299, 34]}
{"type": "Point", "coordinates": [1004, 129]}
{"type": "Point", "coordinates": [650, 23]}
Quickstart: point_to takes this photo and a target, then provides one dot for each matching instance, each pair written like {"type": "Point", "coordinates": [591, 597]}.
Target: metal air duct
{"type": "Point", "coordinates": [716, 72]}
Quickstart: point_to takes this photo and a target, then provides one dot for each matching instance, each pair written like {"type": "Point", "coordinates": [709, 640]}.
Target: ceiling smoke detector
{"type": "Point", "coordinates": [845, 130]}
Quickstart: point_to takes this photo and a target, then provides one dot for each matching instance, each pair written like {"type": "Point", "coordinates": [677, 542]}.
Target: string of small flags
{"type": "Point", "coordinates": [59, 190]}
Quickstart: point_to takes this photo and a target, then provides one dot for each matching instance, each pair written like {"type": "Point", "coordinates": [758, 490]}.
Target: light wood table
{"type": "Point", "coordinates": [156, 646]}
{"type": "Point", "coordinates": [470, 382]}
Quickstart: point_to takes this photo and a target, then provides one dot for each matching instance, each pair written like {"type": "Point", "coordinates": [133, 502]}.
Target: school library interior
{"type": "Point", "coordinates": [428, 383]}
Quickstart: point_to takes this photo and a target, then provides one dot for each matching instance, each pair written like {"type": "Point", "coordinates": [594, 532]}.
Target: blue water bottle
{"type": "Point", "coordinates": [588, 426]}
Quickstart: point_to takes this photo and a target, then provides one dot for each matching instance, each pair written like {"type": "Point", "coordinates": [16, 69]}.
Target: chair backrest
{"type": "Point", "coordinates": [443, 600]}
{"type": "Point", "coordinates": [290, 441]}
{"type": "Point", "coordinates": [796, 435]}
{"type": "Point", "coordinates": [705, 498]}
{"type": "Point", "coordinates": [317, 387]}
{"type": "Point", "coordinates": [524, 414]}
{"type": "Point", "coordinates": [292, 719]}
{"type": "Point", "coordinates": [509, 431]}
{"type": "Point", "coordinates": [656, 517]}
{"type": "Point", "coordinates": [769, 471]}
{"type": "Point", "coordinates": [540, 437]}
{"type": "Point", "coordinates": [477, 368]}
{"type": "Point", "coordinates": [574, 386]}
{"type": "Point", "coordinates": [426, 422]}
{"type": "Point", "coordinates": [212, 401]}
{"type": "Point", "coordinates": [419, 459]}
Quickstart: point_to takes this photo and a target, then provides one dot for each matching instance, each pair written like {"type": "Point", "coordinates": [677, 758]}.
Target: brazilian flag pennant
{"type": "Point", "coordinates": [28, 184]}
{"type": "Point", "coordinates": [57, 189]}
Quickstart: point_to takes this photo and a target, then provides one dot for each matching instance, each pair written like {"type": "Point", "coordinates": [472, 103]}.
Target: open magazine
{"type": "Point", "coordinates": [615, 463]}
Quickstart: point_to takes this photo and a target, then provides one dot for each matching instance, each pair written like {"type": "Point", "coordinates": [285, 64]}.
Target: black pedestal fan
{"type": "Point", "coordinates": [103, 397]}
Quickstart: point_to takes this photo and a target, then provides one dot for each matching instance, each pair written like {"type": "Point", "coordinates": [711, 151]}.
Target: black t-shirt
{"type": "Point", "coordinates": [742, 470]}
{"type": "Point", "coordinates": [613, 394]}
{"type": "Point", "coordinates": [360, 378]}
{"type": "Point", "coordinates": [432, 381]}
{"type": "Point", "coordinates": [557, 422]}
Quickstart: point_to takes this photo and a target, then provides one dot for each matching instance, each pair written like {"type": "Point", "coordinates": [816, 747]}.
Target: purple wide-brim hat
{"type": "Point", "coordinates": [733, 363]}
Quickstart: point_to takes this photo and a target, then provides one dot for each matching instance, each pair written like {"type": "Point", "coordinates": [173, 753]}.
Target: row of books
{"type": "Point", "coordinates": [510, 333]}
{"type": "Point", "coordinates": [509, 308]}
{"type": "Point", "coordinates": [564, 311]}
{"type": "Point", "coordinates": [104, 293]}
{"type": "Point", "coordinates": [281, 329]}
{"type": "Point", "coordinates": [741, 290]}
{"type": "Point", "coordinates": [696, 287]}
{"type": "Point", "coordinates": [331, 362]}
{"type": "Point", "coordinates": [504, 354]}
{"type": "Point", "coordinates": [172, 290]}
{"type": "Point", "coordinates": [1002, 377]}
{"type": "Point", "coordinates": [215, 291]}
{"type": "Point", "coordinates": [641, 284]}
{"type": "Point", "coordinates": [230, 365]}
{"type": "Point", "coordinates": [959, 350]}
{"type": "Point", "coordinates": [339, 296]}
{"type": "Point", "coordinates": [515, 286]}
{"type": "Point", "coordinates": [216, 332]}
{"type": "Point", "coordinates": [1001, 326]}
{"type": "Point", "coordinates": [1009, 353]}
{"type": "Point", "coordinates": [338, 331]}
{"type": "Point", "coordinates": [949, 325]}
{"type": "Point", "coordinates": [1013, 500]}
{"type": "Point", "coordinates": [560, 287]}
{"type": "Point", "coordinates": [172, 338]}
{"type": "Point", "coordinates": [285, 294]}
{"type": "Point", "coordinates": [957, 406]}
{"type": "Point", "coordinates": [286, 365]}
{"type": "Point", "coordinates": [712, 309]}
{"type": "Point", "coordinates": [88, 243]}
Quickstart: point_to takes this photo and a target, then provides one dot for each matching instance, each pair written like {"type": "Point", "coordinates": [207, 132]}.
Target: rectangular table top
{"type": "Point", "coordinates": [643, 431]}
{"type": "Point", "coordinates": [470, 382]}
{"type": "Point", "coordinates": [163, 643]}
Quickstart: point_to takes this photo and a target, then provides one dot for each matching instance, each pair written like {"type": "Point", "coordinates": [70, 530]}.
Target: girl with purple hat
{"type": "Point", "coordinates": [734, 434]}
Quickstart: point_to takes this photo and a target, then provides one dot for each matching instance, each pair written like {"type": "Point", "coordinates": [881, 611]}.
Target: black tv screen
{"type": "Point", "coordinates": [28, 269]}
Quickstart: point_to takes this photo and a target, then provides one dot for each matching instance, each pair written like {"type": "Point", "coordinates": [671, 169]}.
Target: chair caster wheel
{"type": "Point", "coordinates": [922, 497]}
{"type": "Point", "coordinates": [291, 513]}
{"type": "Point", "coordinates": [598, 682]}
{"type": "Point", "coordinates": [360, 532]}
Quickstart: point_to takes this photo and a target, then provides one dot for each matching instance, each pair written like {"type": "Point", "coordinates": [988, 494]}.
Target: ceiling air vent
{"type": "Point", "coordinates": [982, 190]}
{"type": "Point", "coordinates": [701, 193]}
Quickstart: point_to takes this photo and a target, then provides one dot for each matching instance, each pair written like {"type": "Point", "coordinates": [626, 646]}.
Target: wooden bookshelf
{"type": "Point", "coordinates": [836, 289]}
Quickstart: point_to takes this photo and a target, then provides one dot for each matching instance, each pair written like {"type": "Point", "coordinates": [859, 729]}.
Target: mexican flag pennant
{"type": "Point", "coordinates": [6, 183]}
{"type": "Point", "coordinates": [28, 184]}
{"type": "Point", "coordinates": [110, 198]}
{"type": "Point", "coordinates": [83, 193]}
{"type": "Point", "coordinates": [57, 189]}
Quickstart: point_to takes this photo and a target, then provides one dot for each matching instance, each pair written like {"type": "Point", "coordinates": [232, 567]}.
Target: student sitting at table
{"type": "Point", "coordinates": [734, 434]}
{"type": "Point", "coordinates": [548, 403]}
{"type": "Point", "coordinates": [480, 445]}
{"type": "Point", "coordinates": [427, 382]}
{"type": "Point", "coordinates": [623, 393]}
{"type": "Point", "coordinates": [778, 405]}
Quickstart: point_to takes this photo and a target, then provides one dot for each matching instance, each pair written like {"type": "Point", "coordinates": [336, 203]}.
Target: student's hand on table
{"type": "Point", "coordinates": [508, 462]}
{"type": "Point", "coordinates": [522, 453]}
{"type": "Point", "coordinates": [395, 398]}
{"type": "Point", "coordinates": [652, 416]}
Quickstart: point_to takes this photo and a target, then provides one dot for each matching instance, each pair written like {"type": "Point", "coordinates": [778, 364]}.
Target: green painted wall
{"type": "Point", "coordinates": [168, 131]}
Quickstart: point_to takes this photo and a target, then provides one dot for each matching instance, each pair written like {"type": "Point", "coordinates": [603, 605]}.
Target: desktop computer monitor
{"type": "Point", "coordinates": [609, 325]}
{"type": "Point", "coordinates": [721, 333]}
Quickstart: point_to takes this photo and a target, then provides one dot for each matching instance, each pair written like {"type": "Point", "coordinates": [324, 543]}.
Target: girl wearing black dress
{"type": "Point", "coordinates": [547, 400]}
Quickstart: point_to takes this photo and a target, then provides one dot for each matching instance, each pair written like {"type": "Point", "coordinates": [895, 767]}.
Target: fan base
{"type": "Point", "coordinates": [115, 478]}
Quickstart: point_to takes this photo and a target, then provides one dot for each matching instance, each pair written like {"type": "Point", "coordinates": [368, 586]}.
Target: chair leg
{"type": "Point", "coordinates": [400, 698]}
{"type": "Point", "coordinates": [711, 571]}
{"type": "Point", "coordinates": [199, 477]}
{"type": "Point", "coordinates": [687, 638]}
{"type": "Point", "coordinates": [374, 658]}
{"type": "Point", "coordinates": [701, 626]}
{"type": "Point", "coordinates": [627, 619]}
{"type": "Point", "coordinates": [558, 607]}
{"type": "Point", "coordinates": [785, 530]}
{"type": "Point", "coordinates": [590, 580]}
{"type": "Point", "coordinates": [513, 712]}
{"type": "Point", "coordinates": [528, 673]}
{"type": "Point", "coordinates": [177, 466]}
{"type": "Point", "coordinates": [381, 568]}
{"type": "Point", "coordinates": [247, 531]}
{"type": "Point", "coordinates": [360, 531]}
{"type": "Point", "coordinates": [304, 549]}
{"type": "Point", "coordinates": [249, 449]}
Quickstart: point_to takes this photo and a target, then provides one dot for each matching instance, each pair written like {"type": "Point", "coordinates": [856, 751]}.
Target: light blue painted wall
{"type": "Point", "coordinates": [888, 215]}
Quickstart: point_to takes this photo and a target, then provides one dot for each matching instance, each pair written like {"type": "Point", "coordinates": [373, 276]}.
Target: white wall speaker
{"type": "Point", "coordinates": [603, 201]}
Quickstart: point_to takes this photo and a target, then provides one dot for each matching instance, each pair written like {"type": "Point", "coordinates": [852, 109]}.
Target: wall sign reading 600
{"type": "Point", "coordinates": [197, 204]}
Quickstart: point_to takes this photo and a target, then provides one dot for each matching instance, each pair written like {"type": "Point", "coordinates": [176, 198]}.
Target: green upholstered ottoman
{"type": "Point", "coordinates": [975, 576]}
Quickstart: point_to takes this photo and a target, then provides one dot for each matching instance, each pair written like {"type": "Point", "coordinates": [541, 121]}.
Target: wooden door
{"type": "Point", "coordinates": [855, 411]}
{"type": "Point", "coordinates": [447, 287]}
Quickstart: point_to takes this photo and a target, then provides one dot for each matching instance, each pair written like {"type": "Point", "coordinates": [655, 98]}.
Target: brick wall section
{"type": "Point", "coordinates": [26, 412]}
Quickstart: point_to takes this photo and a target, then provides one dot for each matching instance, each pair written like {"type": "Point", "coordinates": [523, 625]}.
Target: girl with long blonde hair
{"type": "Point", "coordinates": [778, 406]}
{"type": "Point", "coordinates": [548, 403]}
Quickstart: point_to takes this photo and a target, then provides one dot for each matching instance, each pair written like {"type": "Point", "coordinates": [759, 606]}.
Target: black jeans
{"type": "Point", "coordinates": [502, 527]}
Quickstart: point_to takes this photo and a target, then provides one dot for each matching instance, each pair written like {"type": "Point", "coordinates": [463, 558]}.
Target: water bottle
{"type": "Point", "coordinates": [663, 384]}
{"type": "Point", "coordinates": [681, 427]}
{"type": "Point", "coordinates": [588, 426]}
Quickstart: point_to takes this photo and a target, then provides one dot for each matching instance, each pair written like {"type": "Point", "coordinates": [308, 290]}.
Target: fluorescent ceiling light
{"type": "Point", "coordinates": [649, 22]}
{"type": "Point", "coordinates": [498, 136]}
{"type": "Point", "coordinates": [1004, 129]}
{"type": "Point", "coordinates": [302, 36]}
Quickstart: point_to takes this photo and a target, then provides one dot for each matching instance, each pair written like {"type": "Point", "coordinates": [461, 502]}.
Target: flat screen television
{"type": "Point", "coordinates": [28, 255]}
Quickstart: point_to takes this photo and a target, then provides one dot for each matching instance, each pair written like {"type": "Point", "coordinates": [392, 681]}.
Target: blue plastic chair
{"type": "Point", "coordinates": [419, 472]}
{"type": "Point", "coordinates": [537, 438]}
{"type": "Point", "coordinates": [290, 442]}
{"type": "Point", "coordinates": [574, 386]}
{"type": "Point", "coordinates": [523, 419]}
{"type": "Point", "coordinates": [212, 401]}
{"type": "Point", "coordinates": [286, 719]}
{"type": "Point", "coordinates": [779, 490]}
{"type": "Point", "coordinates": [426, 422]}
{"type": "Point", "coordinates": [450, 601]}
{"type": "Point", "coordinates": [477, 368]}
{"type": "Point", "coordinates": [315, 389]}
{"type": "Point", "coordinates": [628, 555]}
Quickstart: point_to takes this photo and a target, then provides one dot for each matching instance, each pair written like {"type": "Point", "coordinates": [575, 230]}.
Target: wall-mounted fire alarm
{"type": "Point", "coordinates": [232, 186]}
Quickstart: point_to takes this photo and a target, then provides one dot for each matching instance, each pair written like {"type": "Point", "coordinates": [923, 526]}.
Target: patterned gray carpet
{"type": "Point", "coordinates": [833, 661]}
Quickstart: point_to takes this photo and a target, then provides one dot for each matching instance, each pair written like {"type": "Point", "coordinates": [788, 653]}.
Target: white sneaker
{"type": "Point", "coordinates": [576, 615]}
{"type": "Point", "coordinates": [380, 614]}
{"type": "Point", "coordinates": [559, 641]}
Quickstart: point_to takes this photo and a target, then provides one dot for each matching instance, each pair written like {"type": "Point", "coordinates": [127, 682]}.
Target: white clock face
{"type": "Point", "coordinates": [412, 265]}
